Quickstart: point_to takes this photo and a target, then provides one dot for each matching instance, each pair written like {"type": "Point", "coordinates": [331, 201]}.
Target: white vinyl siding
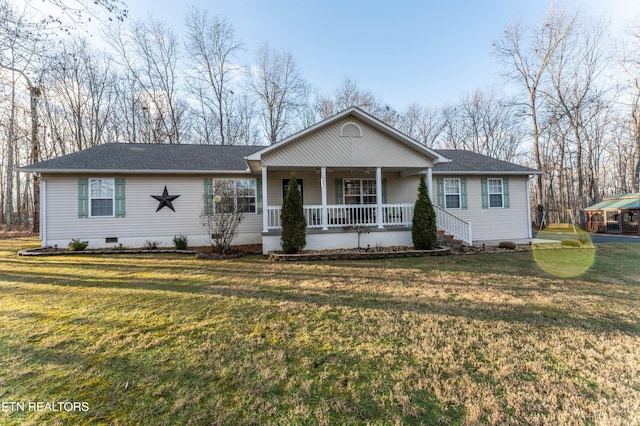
{"type": "Point", "coordinates": [141, 222]}
{"type": "Point", "coordinates": [495, 224]}
{"type": "Point", "coordinates": [326, 147]}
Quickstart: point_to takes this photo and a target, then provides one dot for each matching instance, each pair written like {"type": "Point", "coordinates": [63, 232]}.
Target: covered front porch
{"type": "Point", "coordinates": [354, 172]}
{"type": "Point", "coordinates": [345, 221]}
{"type": "Point", "coordinates": [375, 204]}
{"type": "Point", "coordinates": [360, 197]}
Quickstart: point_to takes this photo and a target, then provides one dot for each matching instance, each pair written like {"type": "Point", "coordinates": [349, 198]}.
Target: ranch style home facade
{"type": "Point", "coordinates": [353, 171]}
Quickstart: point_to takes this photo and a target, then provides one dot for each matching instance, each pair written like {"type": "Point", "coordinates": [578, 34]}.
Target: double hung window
{"type": "Point", "coordinates": [234, 195]}
{"type": "Point", "coordinates": [495, 187]}
{"type": "Point", "coordinates": [360, 191]}
{"type": "Point", "coordinates": [452, 193]}
{"type": "Point", "coordinates": [101, 197]}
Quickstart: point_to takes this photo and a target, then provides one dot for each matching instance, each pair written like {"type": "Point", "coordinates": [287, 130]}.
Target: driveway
{"type": "Point", "coordinates": [596, 238]}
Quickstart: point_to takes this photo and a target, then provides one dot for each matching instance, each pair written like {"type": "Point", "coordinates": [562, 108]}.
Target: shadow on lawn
{"type": "Point", "coordinates": [235, 280]}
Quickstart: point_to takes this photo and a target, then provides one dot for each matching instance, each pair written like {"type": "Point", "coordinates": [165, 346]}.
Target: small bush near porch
{"type": "Point", "coordinates": [168, 339]}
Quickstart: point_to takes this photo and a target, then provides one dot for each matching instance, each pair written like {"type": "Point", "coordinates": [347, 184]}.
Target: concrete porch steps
{"type": "Point", "coordinates": [448, 239]}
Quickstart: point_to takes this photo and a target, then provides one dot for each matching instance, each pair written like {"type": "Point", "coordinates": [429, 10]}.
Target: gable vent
{"type": "Point", "coordinates": [351, 130]}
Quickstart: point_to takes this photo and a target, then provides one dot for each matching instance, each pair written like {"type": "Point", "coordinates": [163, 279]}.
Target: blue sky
{"type": "Point", "coordinates": [430, 52]}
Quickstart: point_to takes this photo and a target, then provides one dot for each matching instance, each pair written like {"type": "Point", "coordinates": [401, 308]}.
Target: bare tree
{"type": "Point", "coordinates": [76, 13]}
{"type": "Point", "coordinates": [149, 53]}
{"type": "Point", "coordinates": [526, 53]}
{"type": "Point", "coordinates": [424, 124]}
{"type": "Point", "coordinates": [485, 123]}
{"type": "Point", "coordinates": [631, 67]}
{"type": "Point", "coordinates": [20, 40]}
{"type": "Point", "coordinates": [211, 45]}
{"type": "Point", "coordinates": [281, 92]}
{"type": "Point", "coordinates": [350, 95]}
{"type": "Point", "coordinates": [579, 101]}
{"type": "Point", "coordinates": [82, 85]}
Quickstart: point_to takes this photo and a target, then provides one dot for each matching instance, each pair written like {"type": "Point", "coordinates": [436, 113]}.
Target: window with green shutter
{"type": "Point", "coordinates": [101, 197]}
{"type": "Point", "coordinates": [83, 197]}
{"type": "Point", "coordinates": [207, 197]}
{"type": "Point", "coordinates": [120, 197]}
{"type": "Point", "coordinates": [231, 195]}
{"type": "Point", "coordinates": [339, 191]}
{"type": "Point", "coordinates": [452, 193]}
{"type": "Point", "coordinates": [495, 193]}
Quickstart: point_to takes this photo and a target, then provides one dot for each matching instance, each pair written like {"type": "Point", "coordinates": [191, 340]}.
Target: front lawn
{"type": "Point", "coordinates": [168, 339]}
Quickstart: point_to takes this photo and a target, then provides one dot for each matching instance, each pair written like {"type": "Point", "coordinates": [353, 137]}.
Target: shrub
{"type": "Point", "coordinates": [509, 245]}
{"type": "Point", "coordinates": [571, 243]}
{"type": "Point", "coordinates": [151, 245]}
{"type": "Point", "coordinates": [294, 224]}
{"type": "Point", "coordinates": [424, 231]}
{"type": "Point", "coordinates": [77, 245]}
{"type": "Point", "coordinates": [222, 214]}
{"type": "Point", "coordinates": [180, 242]}
{"type": "Point", "coordinates": [584, 239]}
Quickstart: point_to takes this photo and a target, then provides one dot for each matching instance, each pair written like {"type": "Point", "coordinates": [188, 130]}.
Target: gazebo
{"type": "Point", "coordinates": [616, 214]}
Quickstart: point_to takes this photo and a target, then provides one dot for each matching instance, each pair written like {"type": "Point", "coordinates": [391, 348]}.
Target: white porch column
{"type": "Point", "coordinates": [323, 188]}
{"type": "Point", "coordinates": [430, 183]}
{"type": "Point", "coordinates": [265, 211]}
{"type": "Point", "coordinates": [379, 196]}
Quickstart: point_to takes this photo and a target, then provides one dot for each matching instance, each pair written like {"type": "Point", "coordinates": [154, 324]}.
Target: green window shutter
{"type": "Point", "coordinates": [339, 191]}
{"type": "Point", "coordinates": [441, 192]}
{"type": "Point", "coordinates": [207, 197]}
{"type": "Point", "coordinates": [485, 193]}
{"type": "Point", "coordinates": [83, 197]}
{"type": "Point", "coordinates": [384, 190]}
{"type": "Point", "coordinates": [505, 192]}
{"type": "Point", "coordinates": [258, 195]}
{"type": "Point", "coordinates": [120, 198]}
{"type": "Point", "coordinates": [463, 193]}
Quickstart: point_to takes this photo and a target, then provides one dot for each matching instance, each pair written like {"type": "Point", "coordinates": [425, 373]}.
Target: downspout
{"type": "Point", "coordinates": [529, 206]}
{"type": "Point", "coordinates": [43, 209]}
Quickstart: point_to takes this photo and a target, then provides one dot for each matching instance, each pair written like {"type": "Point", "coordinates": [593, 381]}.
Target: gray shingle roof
{"type": "Point", "coordinates": [467, 162]}
{"type": "Point", "coordinates": [128, 157]}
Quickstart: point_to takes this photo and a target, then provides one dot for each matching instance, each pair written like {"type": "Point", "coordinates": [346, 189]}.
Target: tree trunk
{"type": "Point", "coordinates": [35, 156]}
{"type": "Point", "coordinates": [8, 198]}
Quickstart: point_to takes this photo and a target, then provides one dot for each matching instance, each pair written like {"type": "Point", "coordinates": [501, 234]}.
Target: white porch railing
{"type": "Point", "coordinates": [341, 215]}
{"type": "Point", "coordinates": [453, 225]}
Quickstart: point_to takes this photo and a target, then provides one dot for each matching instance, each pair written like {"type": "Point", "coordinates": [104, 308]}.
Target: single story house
{"type": "Point", "coordinates": [353, 170]}
{"type": "Point", "coordinates": [616, 214]}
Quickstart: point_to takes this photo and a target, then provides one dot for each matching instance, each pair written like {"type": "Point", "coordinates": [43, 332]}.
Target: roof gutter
{"type": "Point", "coordinates": [487, 172]}
{"type": "Point", "coordinates": [132, 172]}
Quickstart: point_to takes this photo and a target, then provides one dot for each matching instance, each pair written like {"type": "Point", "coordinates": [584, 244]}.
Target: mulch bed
{"type": "Point", "coordinates": [207, 252]}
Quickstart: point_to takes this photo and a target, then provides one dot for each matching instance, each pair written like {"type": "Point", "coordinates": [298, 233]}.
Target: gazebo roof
{"type": "Point", "coordinates": [618, 202]}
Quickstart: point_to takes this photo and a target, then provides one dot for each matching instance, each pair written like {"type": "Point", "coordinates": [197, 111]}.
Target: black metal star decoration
{"type": "Point", "coordinates": [165, 199]}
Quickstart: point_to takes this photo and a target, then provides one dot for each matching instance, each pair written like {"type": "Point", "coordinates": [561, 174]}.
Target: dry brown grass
{"type": "Point", "coordinates": [487, 339]}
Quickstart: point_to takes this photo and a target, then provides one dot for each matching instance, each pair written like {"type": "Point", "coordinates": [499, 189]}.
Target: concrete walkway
{"type": "Point", "coordinates": [494, 243]}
